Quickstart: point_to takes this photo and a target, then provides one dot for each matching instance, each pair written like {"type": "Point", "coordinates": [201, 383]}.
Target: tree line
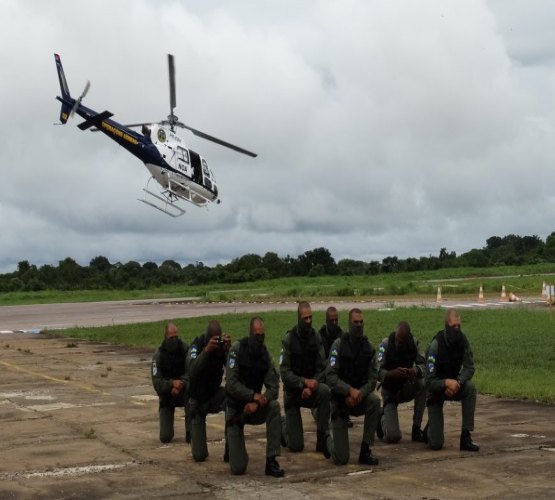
{"type": "Point", "coordinates": [101, 274]}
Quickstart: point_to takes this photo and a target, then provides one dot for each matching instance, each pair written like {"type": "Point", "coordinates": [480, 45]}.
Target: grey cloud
{"type": "Point", "coordinates": [383, 128]}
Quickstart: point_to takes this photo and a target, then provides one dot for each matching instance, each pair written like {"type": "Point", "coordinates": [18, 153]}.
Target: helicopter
{"type": "Point", "coordinates": [183, 174]}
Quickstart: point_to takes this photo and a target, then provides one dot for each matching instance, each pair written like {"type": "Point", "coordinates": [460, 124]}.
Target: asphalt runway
{"type": "Point", "coordinates": [59, 316]}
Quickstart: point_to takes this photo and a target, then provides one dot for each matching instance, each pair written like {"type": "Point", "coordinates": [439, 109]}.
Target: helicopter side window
{"type": "Point", "coordinates": [182, 154]}
{"type": "Point", "coordinates": [182, 159]}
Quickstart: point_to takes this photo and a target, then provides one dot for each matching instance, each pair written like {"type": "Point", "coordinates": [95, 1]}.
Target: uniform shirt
{"type": "Point", "coordinates": [420, 362]}
{"type": "Point", "coordinates": [202, 365]}
{"type": "Point", "coordinates": [340, 387]}
{"type": "Point", "coordinates": [163, 385]}
{"type": "Point", "coordinates": [436, 384]}
{"type": "Point", "coordinates": [237, 389]}
{"type": "Point", "coordinates": [290, 379]}
{"type": "Point", "coordinates": [328, 339]}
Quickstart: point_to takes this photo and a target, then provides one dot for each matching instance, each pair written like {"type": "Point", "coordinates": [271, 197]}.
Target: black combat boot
{"type": "Point", "coordinates": [466, 442]}
{"type": "Point", "coordinates": [417, 434]}
{"type": "Point", "coordinates": [322, 443]}
{"type": "Point", "coordinates": [365, 456]}
{"type": "Point", "coordinates": [273, 468]}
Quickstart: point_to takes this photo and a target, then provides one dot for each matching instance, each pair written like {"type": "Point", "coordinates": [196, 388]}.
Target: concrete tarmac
{"type": "Point", "coordinates": [79, 420]}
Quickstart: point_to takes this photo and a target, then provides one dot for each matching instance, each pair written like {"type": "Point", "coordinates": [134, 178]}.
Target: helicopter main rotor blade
{"type": "Point", "coordinates": [171, 68]}
{"type": "Point", "coordinates": [219, 141]}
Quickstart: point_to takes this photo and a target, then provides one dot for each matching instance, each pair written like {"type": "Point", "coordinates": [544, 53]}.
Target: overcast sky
{"type": "Point", "coordinates": [382, 127]}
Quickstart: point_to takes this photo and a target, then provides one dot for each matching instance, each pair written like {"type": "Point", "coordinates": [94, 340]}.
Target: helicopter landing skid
{"type": "Point", "coordinates": [169, 207]}
{"type": "Point", "coordinates": [168, 198]}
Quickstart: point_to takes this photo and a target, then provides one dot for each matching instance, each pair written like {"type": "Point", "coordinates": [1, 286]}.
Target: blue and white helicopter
{"type": "Point", "coordinates": [182, 173]}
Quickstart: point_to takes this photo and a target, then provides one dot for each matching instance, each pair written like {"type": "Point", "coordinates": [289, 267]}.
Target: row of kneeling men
{"type": "Point", "coordinates": [334, 373]}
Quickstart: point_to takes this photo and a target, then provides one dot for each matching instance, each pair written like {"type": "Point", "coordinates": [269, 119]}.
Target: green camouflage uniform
{"type": "Point", "coordinates": [342, 358]}
{"type": "Point", "coordinates": [245, 376]}
{"type": "Point", "coordinates": [162, 383]}
{"type": "Point", "coordinates": [303, 358]}
{"type": "Point", "coordinates": [449, 358]}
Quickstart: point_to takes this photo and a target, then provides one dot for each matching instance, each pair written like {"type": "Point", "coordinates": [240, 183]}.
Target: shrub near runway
{"type": "Point", "coordinates": [514, 349]}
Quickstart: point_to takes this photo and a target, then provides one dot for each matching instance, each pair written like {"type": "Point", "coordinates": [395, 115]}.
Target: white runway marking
{"type": "Point", "coordinates": [470, 305]}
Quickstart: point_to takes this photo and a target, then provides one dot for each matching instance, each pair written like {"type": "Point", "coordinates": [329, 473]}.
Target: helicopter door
{"type": "Point", "coordinates": [197, 168]}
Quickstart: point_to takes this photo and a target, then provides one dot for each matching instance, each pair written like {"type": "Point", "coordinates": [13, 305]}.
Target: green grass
{"type": "Point", "coordinates": [514, 349]}
{"type": "Point", "coordinates": [522, 280]}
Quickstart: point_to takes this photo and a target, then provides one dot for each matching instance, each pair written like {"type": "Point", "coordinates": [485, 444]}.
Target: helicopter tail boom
{"type": "Point", "coordinates": [66, 97]}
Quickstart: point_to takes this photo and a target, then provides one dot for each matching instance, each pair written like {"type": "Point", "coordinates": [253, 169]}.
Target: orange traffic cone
{"type": "Point", "coordinates": [439, 299]}
{"type": "Point", "coordinates": [513, 297]}
{"type": "Point", "coordinates": [503, 294]}
{"type": "Point", "coordinates": [481, 294]}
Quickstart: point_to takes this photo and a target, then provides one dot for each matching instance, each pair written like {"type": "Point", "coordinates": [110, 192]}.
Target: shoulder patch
{"type": "Point", "coordinates": [231, 362]}
{"type": "Point", "coordinates": [281, 357]}
{"type": "Point", "coordinates": [431, 367]}
{"type": "Point", "coordinates": [332, 360]}
{"type": "Point", "coordinates": [194, 352]}
{"type": "Point", "coordinates": [154, 368]}
{"type": "Point", "coordinates": [334, 352]}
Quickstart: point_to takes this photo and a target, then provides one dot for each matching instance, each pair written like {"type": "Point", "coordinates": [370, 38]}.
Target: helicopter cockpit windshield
{"type": "Point", "coordinates": [206, 174]}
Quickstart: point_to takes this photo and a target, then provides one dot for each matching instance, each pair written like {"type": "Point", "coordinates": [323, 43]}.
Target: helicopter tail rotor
{"type": "Point", "coordinates": [78, 101]}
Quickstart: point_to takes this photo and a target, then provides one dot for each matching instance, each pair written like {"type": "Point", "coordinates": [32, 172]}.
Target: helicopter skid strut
{"type": "Point", "coordinates": [170, 198]}
{"type": "Point", "coordinates": [168, 206]}
{"type": "Point", "coordinates": [167, 197]}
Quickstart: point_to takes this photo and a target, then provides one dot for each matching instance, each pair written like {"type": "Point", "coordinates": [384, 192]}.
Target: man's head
{"type": "Point", "coordinates": [214, 329]}
{"type": "Point", "coordinates": [170, 331]}
{"type": "Point", "coordinates": [403, 335]}
{"type": "Point", "coordinates": [304, 316]}
{"type": "Point", "coordinates": [356, 323]}
{"type": "Point", "coordinates": [332, 318]}
{"type": "Point", "coordinates": [452, 320]}
{"type": "Point", "coordinates": [257, 328]}
{"type": "Point", "coordinates": [171, 338]}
